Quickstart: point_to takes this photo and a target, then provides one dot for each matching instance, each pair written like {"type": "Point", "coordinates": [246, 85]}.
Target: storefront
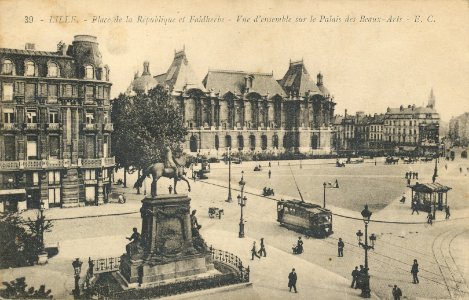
{"type": "Point", "coordinates": [12, 200]}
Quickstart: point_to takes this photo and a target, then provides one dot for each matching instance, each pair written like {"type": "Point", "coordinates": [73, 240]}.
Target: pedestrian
{"type": "Point", "coordinates": [254, 251]}
{"type": "Point", "coordinates": [415, 271]}
{"type": "Point", "coordinates": [414, 175]}
{"type": "Point", "coordinates": [396, 293]}
{"type": "Point", "coordinates": [430, 218]}
{"type": "Point", "coordinates": [414, 206]}
{"type": "Point", "coordinates": [336, 183]}
{"type": "Point", "coordinates": [447, 213]}
{"type": "Point", "coordinates": [360, 277]}
{"type": "Point", "coordinates": [403, 198]}
{"type": "Point", "coordinates": [262, 249]}
{"type": "Point", "coordinates": [354, 278]}
{"type": "Point", "coordinates": [170, 189]}
{"type": "Point", "coordinates": [299, 245]}
{"type": "Point", "coordinates": [292, 277]}
{"type": "Point", "coordinates": [340, 247]}
{"type": "Point", "coordinates": [270, 173]}
{"type": "Point", "coordinates": [406, 175]}
{"type": "Point", "coordinates": [408, 181]}
{"type": "Point", "coordinates": [460, 170]}
{"type": "Point", "coordinates": [446, 166]}
{"type": "Point", "coordinates": [433, 178]}
{"type": "Point", "coordinates": [270, 164]}
{"type": "Point", "coordinates": [417, 175]}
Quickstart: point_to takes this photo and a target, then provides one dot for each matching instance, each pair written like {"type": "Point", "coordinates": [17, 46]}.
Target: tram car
{"type": "Point", "coordinates": [310, 219]}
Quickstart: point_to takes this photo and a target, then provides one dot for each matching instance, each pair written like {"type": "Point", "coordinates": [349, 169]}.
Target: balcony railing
{"type": "Point", "coordinates": [53, 126]}
{"type": "Point", "coordinates": [31, 126]}
{"type": "Point", "coordinates": [32, 164]}
{"type": "Point", "coordinates": [9, 127]}
{"type": "Point", "coordinates": [108, 127]}
{"type": "Point", "coordinates": [90, 127]}
{"type": "Point", "coordinates": [96, 162]}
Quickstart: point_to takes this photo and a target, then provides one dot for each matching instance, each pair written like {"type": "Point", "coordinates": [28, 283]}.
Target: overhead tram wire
{"type": "Point", "coordinates": [299, 192]}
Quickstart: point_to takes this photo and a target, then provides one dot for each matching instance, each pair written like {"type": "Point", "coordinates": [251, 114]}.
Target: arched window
{"type": "Point", "coordinates": [89, 72]}
{"type": "Point", "coordinates": [228, 141]}
{"type": "Point", "coordinates": [275, 141]}
{"type": "Point", "coordinates": [264, 142]}
{"type": "Point", "coordinates": [252, 142]}
{"type": "Point", "coordinates": [7, 67]}
{"type": "Point", "coordinates": [217, 142]}
{"type": "Point", "coordinates": [29, 68]}
{"type": "Point", "coordinates": [193, 144]}
{"type": "Point", "coordinates": [53, 70]}
{"type": "Point", "coordinates": [240, 142]}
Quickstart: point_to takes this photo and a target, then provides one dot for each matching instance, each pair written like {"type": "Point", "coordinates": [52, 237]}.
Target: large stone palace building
{"type": "Point", "coordinates": [55, 126]}
{"type": "Point", "coordinates": [247, 111]}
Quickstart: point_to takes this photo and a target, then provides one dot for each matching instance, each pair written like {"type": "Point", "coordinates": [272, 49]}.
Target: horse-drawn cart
{"type": "Point", "coordinates": [215, 212]}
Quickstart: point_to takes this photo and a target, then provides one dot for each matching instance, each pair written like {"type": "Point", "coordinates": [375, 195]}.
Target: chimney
{"type": "Point", "coordinates": [401, 108]}
{"type": "Point", "coordinates": [146, 68]}
{"type": "Point", "coordinates": [319, 78]}
{"type": "Point", "coordinates": [345, 112]}
{"type": "Point", "coordinates": [30, 46]}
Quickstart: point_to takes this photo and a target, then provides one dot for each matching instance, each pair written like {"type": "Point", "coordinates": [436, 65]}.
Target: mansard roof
{"type": "Point", "coordinates": [180, 75]}
{"type": "Point", "coordinates": [225, 81]}
{"type": "Point", "coordinates": [32, 53]}
{"type": "Point", "coordinates": [297, 79]}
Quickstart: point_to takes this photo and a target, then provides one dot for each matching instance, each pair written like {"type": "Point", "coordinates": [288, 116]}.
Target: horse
{"type": "Point", "coordinates": [158, 170]}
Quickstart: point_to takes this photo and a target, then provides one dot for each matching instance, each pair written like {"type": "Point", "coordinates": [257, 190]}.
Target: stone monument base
{"type": "Point", "coordinates": [141, 272]}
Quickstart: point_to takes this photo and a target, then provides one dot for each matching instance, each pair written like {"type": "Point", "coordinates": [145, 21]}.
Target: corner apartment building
{"type": "Point", "coordinates": [55, 126]}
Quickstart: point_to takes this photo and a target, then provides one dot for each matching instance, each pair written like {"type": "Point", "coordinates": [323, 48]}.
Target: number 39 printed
{"type": "Point", "coordinates": [28, 19]}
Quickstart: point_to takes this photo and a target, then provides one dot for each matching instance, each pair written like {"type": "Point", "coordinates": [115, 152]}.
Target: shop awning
{"type": "Point", "coordinates": [12, 192]}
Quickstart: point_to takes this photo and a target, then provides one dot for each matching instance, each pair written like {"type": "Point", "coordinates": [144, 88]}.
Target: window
{"type": "Point", "coordinates": [89, 93]}
{"type": "Point", "coordinates": [54, 196]}
{"type": "Point", "coordinates": [8, 115]}
{"type": "Point", "coordinates": [42, 89]}
{"type": "Point", "coordinates": [105, 173]}
{"type": "Point", "coordinates": [89, 118]}
{"type": "Point", "coordinates": [52, 89]}
{"type": "Point", "coordinates": [54, 146]}
{"type": "Point", "coordinates": [100, 92]}
{"type": "Point", "coordinates": [10, 147]}
{"type": "Point", "coordinates": [74, 90]}
{"type": "Point", "coordinates": [89, 72]}
{"type": "Point", "coordinates": [68, 90]}
{"type": "Point", "coordinates": [53, 117]}
{"type": "Point", "coordinates": [31, 147]}
{"type": "Point", "coordinates": [90, 192]}
{"type": "Point", "coordinates": [30, 92]}
{"type": "Point", "coordinates": [7, 94]}
{"type": "Point", "coordinates": [90, 174]}
{"type": "Point", "coordinates": [31, 116]}
{"type": "Point", "coordinates": [105, 146]}
{"type": "Point", "coordinates": [35, 178]}
{"type": "Point", "coordinates": [7, 67]}
{"type": "Point", "coordinates": [19, 88]}
{"type": "Point", "coordinates": [29, 69]}
{"type": "Point", "coordinates": [54, 177]}
{"type": "Point", "coordinates": [105, 117]}
{"type": "Point", "coordinates": [53, 70]}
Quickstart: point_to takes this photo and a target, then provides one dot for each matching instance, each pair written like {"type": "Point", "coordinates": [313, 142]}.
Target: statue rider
{"type": "Point", "coordinates": [169, 161]}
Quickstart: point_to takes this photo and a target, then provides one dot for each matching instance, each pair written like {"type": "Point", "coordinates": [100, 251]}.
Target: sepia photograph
{"type": "Point", "coordinates": [234, 149]}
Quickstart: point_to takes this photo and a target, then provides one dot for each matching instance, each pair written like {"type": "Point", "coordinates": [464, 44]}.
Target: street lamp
{"type": "Point", "coordinates": [366, 214]}
{"type": "Point", "coordinates": [76, 264]}
{"type": "Point", "coordinates": [42, 256]}
{"type": "Point", "coordinates": [242, 202]}
{"type": "Point", "coordinates": [229, 175]}
{"type": "Point", "coordinates": [329, 186]}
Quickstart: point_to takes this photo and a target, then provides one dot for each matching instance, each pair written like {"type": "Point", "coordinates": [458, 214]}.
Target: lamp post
{"type": "Point", "coordinates": [366, 214]}
{"type": "Point", "coordinates": [229, 175]}
{"type": "Point", "coordinates": [242, 202]}
{"type": "Point", "coordinates": [330, 186]}
{"type": "Point", "coordinates": [76, 264]}
{"type": "Point", "coordinates": [42, 256]}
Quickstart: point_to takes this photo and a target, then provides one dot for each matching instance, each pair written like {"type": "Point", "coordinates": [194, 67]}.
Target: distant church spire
{"type": "Point", "coordinates": [431, 100]}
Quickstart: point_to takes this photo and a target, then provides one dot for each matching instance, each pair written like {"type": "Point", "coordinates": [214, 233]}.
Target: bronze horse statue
{"type": "Point", "coordinates": [158, 170]}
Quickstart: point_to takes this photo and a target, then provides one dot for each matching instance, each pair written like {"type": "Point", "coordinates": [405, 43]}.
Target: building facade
{"type": "Point", "coordinates": [247, 111]}
{"type": "Point", "coordinates": [458, 132]}
{"type": "Point", "coordinates": [55, 126]}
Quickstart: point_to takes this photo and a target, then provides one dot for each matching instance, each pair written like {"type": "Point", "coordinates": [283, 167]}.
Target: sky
{"type": "Point", "coordinates": [368, 66]}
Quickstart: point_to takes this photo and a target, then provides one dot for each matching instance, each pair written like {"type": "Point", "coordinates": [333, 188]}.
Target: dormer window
{"type": "Point", "coordinates": [7, 67]}
{"type": "Point", "coordinates": [29, 68]}
{"type": "Point", "coordinates": [53, 70]}
{"type": "Point", "coordinates": [89, 72]}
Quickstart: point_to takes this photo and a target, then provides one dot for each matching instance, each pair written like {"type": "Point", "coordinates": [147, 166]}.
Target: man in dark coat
{"type": "Point", "coordinates": [396, 293]}
{"type": "Point", "coordinates": [355, 274]}
{"type": "Point", "coordinates": [292, 280]}
{"type": "Point", "coordinates": [262, 249]}
{"type": "Point", "coordinates": [340, 247]}
{"type": "Point", "coordinates": [299, 245]}
{"type": "Point", "coordinates": [415, 271]}
{"type": "Point", "coordinates": [448, 214]}
{"type": "Point", "coordinates": [254, 251]}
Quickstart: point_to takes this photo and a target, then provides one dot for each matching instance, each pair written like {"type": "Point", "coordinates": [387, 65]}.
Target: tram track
{"type": "Point", "coordinates": [450, 272]}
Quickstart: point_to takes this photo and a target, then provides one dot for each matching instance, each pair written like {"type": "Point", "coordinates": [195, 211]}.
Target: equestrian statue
{"type": "Point", "coordinates": [173, 167]}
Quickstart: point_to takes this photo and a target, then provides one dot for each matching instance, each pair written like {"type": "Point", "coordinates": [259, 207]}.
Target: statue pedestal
{"type": "Point", "coordinates": [168, 248]}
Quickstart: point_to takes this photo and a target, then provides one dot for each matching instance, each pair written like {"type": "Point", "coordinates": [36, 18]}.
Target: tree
{"type": "Point", "coordinates": [144, 125]}
{"type": "Point", "coordinates": [16, 289]}
{"type": "Point", "coordinates": [20, 246]}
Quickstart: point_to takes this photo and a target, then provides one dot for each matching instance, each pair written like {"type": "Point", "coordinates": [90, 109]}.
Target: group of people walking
{"type": "Point", "coordinates": [255, 252]}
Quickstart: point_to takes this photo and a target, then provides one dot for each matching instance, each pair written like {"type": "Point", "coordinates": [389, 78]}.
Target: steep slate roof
{"type": "Point", "coordinates": [430, 187]}
{"type": "Point", "coordinates": [224, 81]}
{"type": "Point", "coordinates": [297, 78]}
{"type": "Point", "coordinates": [32, 52]}
{"type": "Point", "coordinates": [409, 110]}
{"type": "Point", "coordinates": [180, 75]}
